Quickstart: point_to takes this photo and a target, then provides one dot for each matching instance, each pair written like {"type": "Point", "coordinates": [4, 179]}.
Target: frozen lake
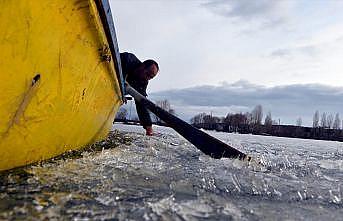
{"type": "Point", "coordinates": [164, 177]}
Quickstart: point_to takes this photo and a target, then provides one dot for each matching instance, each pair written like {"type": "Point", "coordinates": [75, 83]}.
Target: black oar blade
{"type": "Point", "coordinates": [203, 141]}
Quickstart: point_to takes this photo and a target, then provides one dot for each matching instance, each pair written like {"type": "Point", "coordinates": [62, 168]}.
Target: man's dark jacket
{"type": "Point", "coordinates": [129, 62]}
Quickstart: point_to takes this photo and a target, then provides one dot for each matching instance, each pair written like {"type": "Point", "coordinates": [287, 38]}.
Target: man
{"type": "Point", "coordinates": [138, 74]}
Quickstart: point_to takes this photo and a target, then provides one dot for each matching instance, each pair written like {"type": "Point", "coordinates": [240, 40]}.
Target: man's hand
{"type": "Point", "coordinates": [148, 131]}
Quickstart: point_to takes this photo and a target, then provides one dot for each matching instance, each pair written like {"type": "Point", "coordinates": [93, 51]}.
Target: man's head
{"type": "Point", "coordinates": [148, 70]}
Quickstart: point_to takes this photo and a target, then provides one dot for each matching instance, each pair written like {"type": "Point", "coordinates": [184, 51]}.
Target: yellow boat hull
{"type": "Point", "coordinates": [59, 89]}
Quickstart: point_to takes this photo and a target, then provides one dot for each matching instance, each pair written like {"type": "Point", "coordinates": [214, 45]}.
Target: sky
{"type": "Point", "coordinates": [225, 56]}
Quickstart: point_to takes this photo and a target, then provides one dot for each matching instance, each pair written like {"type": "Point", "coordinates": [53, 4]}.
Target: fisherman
{"type": "Point", "coordinates": [138, 74]}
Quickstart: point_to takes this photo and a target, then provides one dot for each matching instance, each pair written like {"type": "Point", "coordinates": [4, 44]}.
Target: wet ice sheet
{"type": "Point", "coordinates": [166, 178]}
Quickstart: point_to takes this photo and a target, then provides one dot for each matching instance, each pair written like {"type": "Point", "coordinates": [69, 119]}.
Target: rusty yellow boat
{"type": "Point", "coordinates": [60, 77]}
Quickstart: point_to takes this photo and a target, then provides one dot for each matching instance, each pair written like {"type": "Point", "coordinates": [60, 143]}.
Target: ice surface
{"type": "Point", "coordinates": [134, 177]}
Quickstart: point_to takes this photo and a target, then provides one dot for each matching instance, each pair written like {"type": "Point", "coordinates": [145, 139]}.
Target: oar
{"type": "Point", "coordinates": [204, 142]}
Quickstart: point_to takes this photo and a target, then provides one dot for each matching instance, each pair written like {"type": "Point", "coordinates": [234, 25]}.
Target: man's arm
{"type": "Point", "coordinates": [143, 113]}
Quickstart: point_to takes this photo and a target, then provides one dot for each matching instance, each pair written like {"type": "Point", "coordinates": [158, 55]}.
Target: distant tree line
{"type": "Point", "coordinates": [325, 126]}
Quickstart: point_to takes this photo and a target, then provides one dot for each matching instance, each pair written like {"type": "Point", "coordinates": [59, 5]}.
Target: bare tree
{"type": "Point", "coordinates": [257, 115]}
{"type": "Point", "coordinates": [329, 121]}
{"type": "Point", "coordinates": [165, 105]}
{"type": "Point", "coordinates": [323, 122]}
{"type": "Point", "coordinates": [316, 119]}
{"type": "Point", "coordinates": [248, 117]}
{"type": "Point", "coordinates": [122, 114]}
{"type": "Point", "coordinates": [268, 121]}
{"type": "Point", "coordinates": [236, 120]}
{"type": "Point", "coordinates": [209, 119]}
{"type": "Point", "coordinates": [198, 119]}
{"type": "Point", "coordinates": [337, 122]}
{"type": "Point", "coordinates": [299, 122]}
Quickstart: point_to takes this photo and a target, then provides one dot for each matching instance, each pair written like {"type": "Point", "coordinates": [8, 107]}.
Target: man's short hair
{"type": "Point", "coordinates": [149, 62]}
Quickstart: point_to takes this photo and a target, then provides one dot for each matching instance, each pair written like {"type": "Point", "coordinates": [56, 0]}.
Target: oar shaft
{"type": "Point", "coordinates": [206, 143]}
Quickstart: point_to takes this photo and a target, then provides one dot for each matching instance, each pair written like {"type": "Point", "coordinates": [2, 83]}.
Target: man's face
{"type": "Point", "coordinates": [150, 72]}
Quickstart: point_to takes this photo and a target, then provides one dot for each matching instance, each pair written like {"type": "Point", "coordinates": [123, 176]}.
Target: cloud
{"type": "Point", "coordinates": [320, 43]}
{"type": "Point", "coordinates": [307, 50]}
{"type": "Point", "coordinates": [266, 12]}
{"type": "Point", "coordinates": [285, 102]}
{"type": "Point", "coordinates": [281, 52]}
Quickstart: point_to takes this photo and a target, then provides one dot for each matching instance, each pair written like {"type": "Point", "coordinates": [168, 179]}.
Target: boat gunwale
{"type": "Point", "coordinates": [106, 17]}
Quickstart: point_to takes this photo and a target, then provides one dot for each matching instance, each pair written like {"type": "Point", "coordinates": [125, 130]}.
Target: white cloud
{"type": "Point", "coordinates": [263, 12]}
